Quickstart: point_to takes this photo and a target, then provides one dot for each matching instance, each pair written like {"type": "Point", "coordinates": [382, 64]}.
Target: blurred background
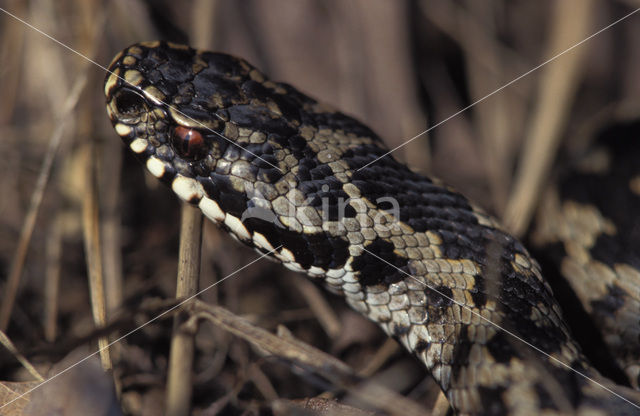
{"type": "Point", "coordinates": [74, 203]}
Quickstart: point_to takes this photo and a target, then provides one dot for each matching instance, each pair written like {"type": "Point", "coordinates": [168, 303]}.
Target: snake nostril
{"type": "Point", "coordinates": [129, 104]}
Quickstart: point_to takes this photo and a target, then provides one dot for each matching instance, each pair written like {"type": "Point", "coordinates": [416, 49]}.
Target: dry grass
{"type": "Point", "coordinates": [84, 231]}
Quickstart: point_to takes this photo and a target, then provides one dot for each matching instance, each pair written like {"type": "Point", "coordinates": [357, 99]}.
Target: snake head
{"type": "Point", "coordinates": [205, 123]}
{"type": "Point", "coordinates": [190, 113]}
{"type": "Point", "coordinates": [212, 127]}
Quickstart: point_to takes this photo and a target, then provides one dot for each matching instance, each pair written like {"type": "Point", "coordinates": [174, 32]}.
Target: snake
{"type": "Point", "coordinates": [317, 191]}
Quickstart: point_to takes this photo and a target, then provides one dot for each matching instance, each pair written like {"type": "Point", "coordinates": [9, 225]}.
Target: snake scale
{"type": "Point", "coordinates": [292, 177]}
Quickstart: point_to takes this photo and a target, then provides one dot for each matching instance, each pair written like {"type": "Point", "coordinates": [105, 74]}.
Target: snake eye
{"type": "Point", "coordinates": [188, 143]}
{"type": "Point", "coordinates": [129, 104]}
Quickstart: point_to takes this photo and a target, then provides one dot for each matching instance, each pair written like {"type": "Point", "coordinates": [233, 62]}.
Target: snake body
{"type": "Point", "coordinates": [291, 177]}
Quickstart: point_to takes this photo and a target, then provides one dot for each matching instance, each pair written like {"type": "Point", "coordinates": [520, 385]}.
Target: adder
{"type": "Point", "coordinates": [315, 188]}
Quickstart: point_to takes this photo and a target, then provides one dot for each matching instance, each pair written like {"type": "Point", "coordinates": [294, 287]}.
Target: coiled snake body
{"type": "Point", "coordinates": [287, 175]}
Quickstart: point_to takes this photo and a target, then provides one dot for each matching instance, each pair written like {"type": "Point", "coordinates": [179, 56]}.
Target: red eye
{"type": "Point", "coordinates": [188, 143]}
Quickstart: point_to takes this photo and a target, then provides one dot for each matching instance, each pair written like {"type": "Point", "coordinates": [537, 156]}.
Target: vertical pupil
{"type": "Point", "coordinates": [185, 142]}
